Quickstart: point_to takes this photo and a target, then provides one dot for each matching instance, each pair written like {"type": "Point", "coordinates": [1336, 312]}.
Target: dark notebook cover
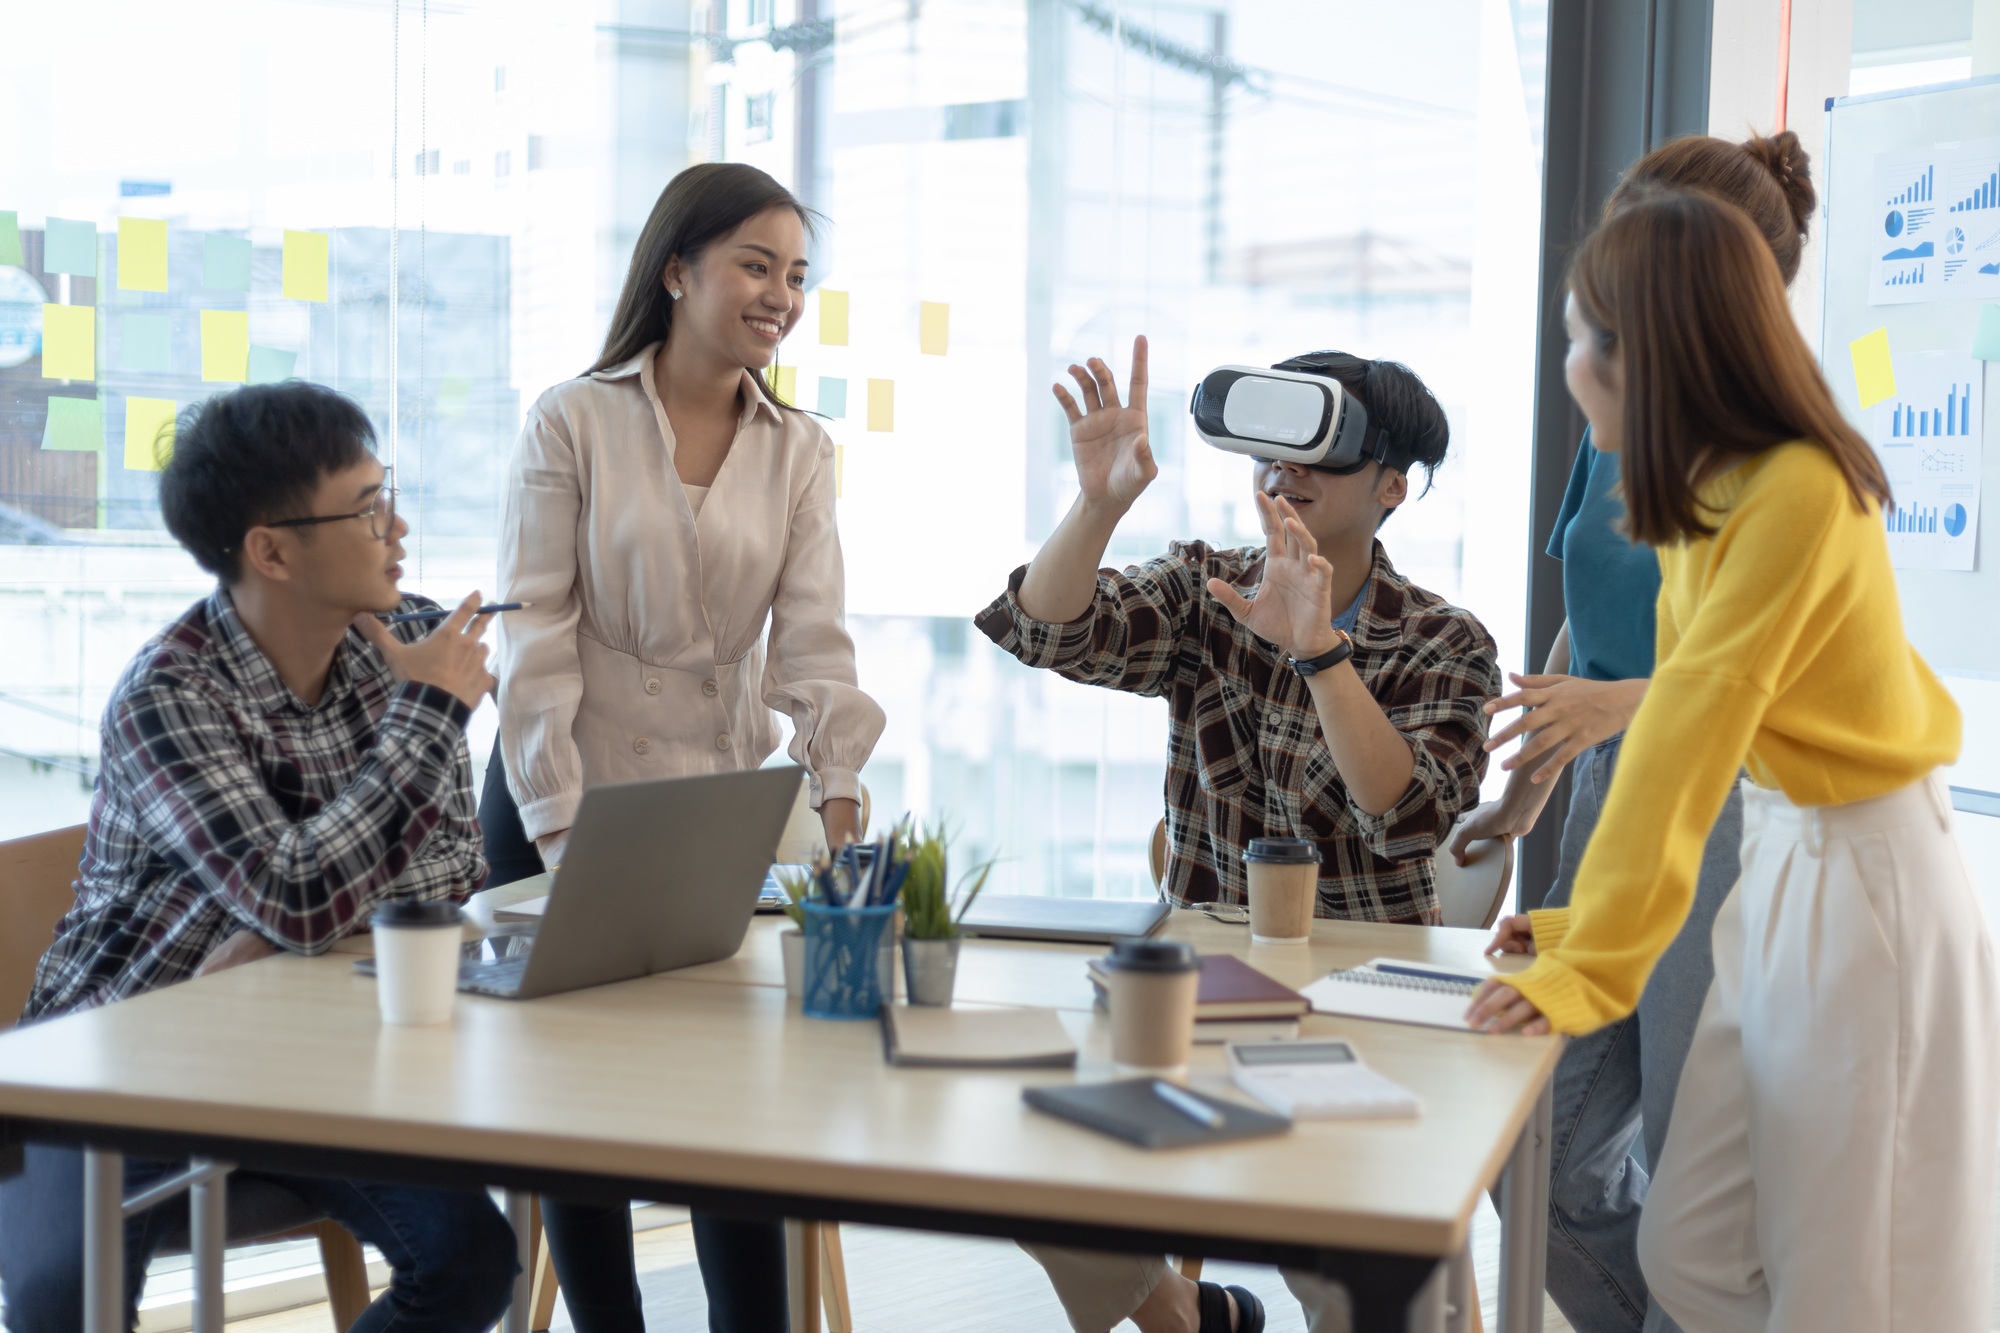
{"type": "Point", "coordinates": [1232, 989]}
{"type": "Point", "coordinates": [1131, 1110]}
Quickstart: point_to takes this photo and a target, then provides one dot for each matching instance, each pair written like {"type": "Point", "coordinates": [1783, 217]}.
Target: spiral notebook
{"type": "Point", "coordinates": [1396, 991]}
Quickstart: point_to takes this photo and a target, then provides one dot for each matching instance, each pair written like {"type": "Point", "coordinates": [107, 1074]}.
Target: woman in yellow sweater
{"type": "Point", "coordinates": [1831, 1162]}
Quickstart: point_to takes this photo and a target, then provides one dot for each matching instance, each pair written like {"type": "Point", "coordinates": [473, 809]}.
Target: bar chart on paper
{"type": "Point", "coordinates": [1928, 437]}
{"type": "Point", "coordinates": [1938, 237]}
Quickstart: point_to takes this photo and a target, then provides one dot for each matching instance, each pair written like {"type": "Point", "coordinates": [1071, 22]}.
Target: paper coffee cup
{"type": "Point", "coordinates": [1284, 888]}
{"type": "Point", "coordinates": [416, 961]}
{"type": "Point", "coordinates": [1151, 987]}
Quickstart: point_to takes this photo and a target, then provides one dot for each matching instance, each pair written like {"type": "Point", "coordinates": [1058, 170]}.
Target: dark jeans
{"type": "Point", "coordinates": [451, 1251]}
{"type": "Point", "coordinates": [742, 1262]}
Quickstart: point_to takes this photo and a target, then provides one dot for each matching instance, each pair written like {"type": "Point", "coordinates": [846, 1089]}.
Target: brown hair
{"type": "Point", "coordinates": [1682, 286]}
{"type": "Point", "coordinates": [1770, 179]}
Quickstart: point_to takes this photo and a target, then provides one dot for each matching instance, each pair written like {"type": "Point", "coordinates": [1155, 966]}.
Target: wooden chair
{"type": "Point", "coordinates": [36, 878]}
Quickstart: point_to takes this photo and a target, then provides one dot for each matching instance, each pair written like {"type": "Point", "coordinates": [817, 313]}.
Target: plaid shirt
{"type": "Point", "coordinates": [223, 803]}
{"type": "Point", "coordinates": [1245, 758]}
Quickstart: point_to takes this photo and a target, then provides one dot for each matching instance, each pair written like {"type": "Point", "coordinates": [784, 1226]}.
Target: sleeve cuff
{"type": "Point", "coordinates": [1560, 993]}
{"type": "Point", "coordinates": [835, 784]}
{"type": "Point", "coordinates": [550, 814]}
{"type": "Point", "coordinates": [1551, 927]}
{"type": "Point", "coordinates": [1036, 643]}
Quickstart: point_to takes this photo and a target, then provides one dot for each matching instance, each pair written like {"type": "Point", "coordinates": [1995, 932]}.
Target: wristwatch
{"type": "Point", "coordinates": [1332, 657]}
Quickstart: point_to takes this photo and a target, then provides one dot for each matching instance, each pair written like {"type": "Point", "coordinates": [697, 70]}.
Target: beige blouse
{"type": "Point", "coordinates": [643, 655]}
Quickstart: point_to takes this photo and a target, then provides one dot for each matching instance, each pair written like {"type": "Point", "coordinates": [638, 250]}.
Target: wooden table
{"type": "Point", "coordinates": [707, 1087]}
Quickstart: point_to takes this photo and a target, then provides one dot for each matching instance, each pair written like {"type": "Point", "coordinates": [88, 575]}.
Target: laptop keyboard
{"type": "Point", "coordinates": [502, 977]}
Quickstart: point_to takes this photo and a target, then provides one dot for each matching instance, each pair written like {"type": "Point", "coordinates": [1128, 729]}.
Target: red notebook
{"type": "Point", "coordinates": [1232, 989]}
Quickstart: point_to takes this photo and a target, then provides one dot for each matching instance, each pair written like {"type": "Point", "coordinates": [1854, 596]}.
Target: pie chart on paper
{"type": "Point", "coordinates": [1954, 520]}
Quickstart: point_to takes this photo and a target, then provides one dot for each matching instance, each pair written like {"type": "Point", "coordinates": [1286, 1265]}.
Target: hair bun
{"type": "Point", "coordinates": [1790, 165]}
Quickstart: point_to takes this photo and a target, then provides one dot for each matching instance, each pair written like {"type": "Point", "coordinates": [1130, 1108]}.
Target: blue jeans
{"type": "Point", "coordinates": [451, 1251]}
{"type": "Point", "coordinates": [742, 1269]}
{"type": "Point", "coordinates": [1614, 1089]}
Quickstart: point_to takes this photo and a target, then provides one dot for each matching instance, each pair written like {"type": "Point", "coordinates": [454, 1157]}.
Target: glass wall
{"type": "Point", "coordinates": [431, 207]}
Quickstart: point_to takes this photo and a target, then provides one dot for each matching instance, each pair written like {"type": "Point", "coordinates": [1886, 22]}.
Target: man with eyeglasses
{"type": "Point", "coordinates": [275, 763]}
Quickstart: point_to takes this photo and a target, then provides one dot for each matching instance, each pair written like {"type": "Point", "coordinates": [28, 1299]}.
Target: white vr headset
{"type": "Point", "coordinates": [1290, 416]}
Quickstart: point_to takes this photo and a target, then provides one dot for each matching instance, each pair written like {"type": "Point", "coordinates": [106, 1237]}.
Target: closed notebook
{"type": "Point", "coordinates": [1231, 989]}
{"type": "Point", "coordinates": [921, 1036]}
{"type": "Point", "coordinates": [1387, 989]}
{"type": "Point", "coordinates": [1131, 1110]}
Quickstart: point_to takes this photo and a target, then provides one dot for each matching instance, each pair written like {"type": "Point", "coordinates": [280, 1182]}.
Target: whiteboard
{"type": "Point", "coordinates": [1952, 617]}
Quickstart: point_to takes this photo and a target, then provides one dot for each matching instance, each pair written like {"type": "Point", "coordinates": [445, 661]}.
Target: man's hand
{"type": "Point", "coordinates": [1567, 716]}
{"type": "Point", "coordinates": [1498, 1007]}
{"type": "Point", "coordinates": [1294, 606]}
{"type": "Point", "coordinates": [1514, 934]}
{"type": "Point", "coordinates": [1114, 463]}
{"type": "Point", "coordinates": [245, 946]}
{"type": "Point", "coordinates": [451, 657]}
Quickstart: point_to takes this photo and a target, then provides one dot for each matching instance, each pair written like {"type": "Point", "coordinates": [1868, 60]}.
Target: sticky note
{"type": "Point", "coordinates": [833, 318]}
{"type": "Point", "coordinates": [1986, 341]}
{"type": "Point", "coordinates": [839, 469]}
{"type": "Point", "coordinates": [146, 343]}
{"type": "Point", "coordinates": [304, 266]}
{"type": "Point", "coordinates": [142, 255]}
{"type": "Point", "coordinates": [149, 433]}
{"type": "Point", "coordinates": [69, 247]}
{"type": "Point", "coordinates": [933, 324]}
{"type": "Point", "coordinates": [784, 381]}
{"type": "Point", "coordinates": [268, 365]}
{"type": "Point", "coordinates": [1874, 373]}
{"type": "Point", "coordinates": [881, 404]}
{"type": "Point", "coordinates": [225, 346]}
{"type": "Point", "coordinates": [75, 425]}
{"type": "Point", "coordinates": [10, 240]}
{"type": "Point", "coordinates": [832, 398]}
{"type": "Point", "coordinates": [225, 263]}
{"type": "Point", "coordinates": [69, 342]}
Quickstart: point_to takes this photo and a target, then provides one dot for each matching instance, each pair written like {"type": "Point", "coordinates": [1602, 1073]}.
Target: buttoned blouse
{"type": "Point", "coordinates": [644, 653]}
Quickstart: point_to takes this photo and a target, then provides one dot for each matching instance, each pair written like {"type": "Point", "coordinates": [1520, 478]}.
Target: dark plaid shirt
{"type": "Point", "coordinates": [224, 803]}
{"type": "Point", "coordinates": [1245, 757]}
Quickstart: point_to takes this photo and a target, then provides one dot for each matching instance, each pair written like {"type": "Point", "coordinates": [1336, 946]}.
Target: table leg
{"type": "Point", "coordinates": [208, 1225]}
{"type": "Point", "coordinates": [1459, 1293]}
{"type": "Point", "coordinates": [521, 1216]}
{"type": "Point", "coordinates": [1427, 1309]}
{"type": "Point", "coordinates": [802, 1242]}
{"type": "Point", "coordinates": [1524, 1222]}
{"type": "Point", "coordinates": [103, 1241]}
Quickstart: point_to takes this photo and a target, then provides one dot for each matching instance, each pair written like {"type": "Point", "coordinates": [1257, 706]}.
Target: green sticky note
{"type": "Point", "coordinates": [225, 346]}
{"type": "Point", "coordinates": [10, 240]}
{"type": "Point", "coordinates": [1986, 342]}
{"type": "Point", "coordinates": [1874, 371]}
{"type": "Point", "coordinates": [70, 247]}
{"type": "Point", "coordinates": [149, 433]}
{"type": "Point", "coordinates": [69, 342]}
{"type": "Point", "coordinates": [75, 425]}
{"type": "Point", "coordinates": [303, 277]}
{"type": "Point", "coordinates": [142, 255]}
{"type": "Point", "coordinates": [225, 263]}
{"type": "Point", "coordinates": [146, 343]}
{"type": "Point", "coordinates": [833, 398]}
{"type": "Point", "coordinates": [268, 365]}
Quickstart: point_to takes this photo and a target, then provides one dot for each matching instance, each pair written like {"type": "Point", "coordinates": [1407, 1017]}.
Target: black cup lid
{"type": "Point", "coordinates": [402, 913]}
{"type": "Point", "coordinates": [1282, 851]}
{"type": "Point", "coordinates": [1144, 955]}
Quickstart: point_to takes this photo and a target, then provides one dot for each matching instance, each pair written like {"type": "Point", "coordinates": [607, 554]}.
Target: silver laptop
{"type": "Point", "coordinates": [1077, 920]}
{"type": "Point", "coordinates": [657, 876]}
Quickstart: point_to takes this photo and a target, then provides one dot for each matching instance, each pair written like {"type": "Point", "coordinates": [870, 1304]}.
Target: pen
{"type": "Point", "coordinates": [1193, 1108]}
{"type": "Point", "coordinates": [440, 613]}
{"type": "Point", "coordinates": [1428, 973]}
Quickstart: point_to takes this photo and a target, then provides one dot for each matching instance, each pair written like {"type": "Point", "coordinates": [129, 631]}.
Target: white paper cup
{"type": "Point", "coordinates": [1152, 987]}
{"type": "Point", "coordinates": [416, 962]}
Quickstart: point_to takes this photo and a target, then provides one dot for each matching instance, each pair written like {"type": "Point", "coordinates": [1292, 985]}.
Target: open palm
{"type": "Point", "coordinates": [1294, 605]}
{"type": "Point", "coordinates": [1114, 463]}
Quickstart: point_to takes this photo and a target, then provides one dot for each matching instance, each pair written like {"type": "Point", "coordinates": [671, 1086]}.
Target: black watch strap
{"type": "Point", "coordinates": [1332, 657]}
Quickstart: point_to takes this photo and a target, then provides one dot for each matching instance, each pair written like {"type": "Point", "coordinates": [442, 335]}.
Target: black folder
{"type": "Point", "coordinates": [1131, 1110]}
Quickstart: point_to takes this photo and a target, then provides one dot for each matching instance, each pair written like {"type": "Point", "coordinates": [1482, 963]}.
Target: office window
{"type": "Point", "coordinates": [1011, 185]}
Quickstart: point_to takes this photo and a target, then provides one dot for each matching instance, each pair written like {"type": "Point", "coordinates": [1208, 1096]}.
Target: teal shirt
{"type": "Point", "coordinates": [1611, 585]}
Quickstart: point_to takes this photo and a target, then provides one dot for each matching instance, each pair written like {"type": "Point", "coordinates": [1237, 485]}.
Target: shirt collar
{"type": "Point", "coordinates": [754, 399]}
{"type": "Point", "coordinates": [253, 672]}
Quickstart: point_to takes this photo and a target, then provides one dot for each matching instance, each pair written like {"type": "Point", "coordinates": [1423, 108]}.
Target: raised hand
{"type": "Point", "coordinates": [1565, 715]}
{"type": "Point", "coordinates": [451, 657]}
{"type": "Point", "coordinates": [1294, 607]}
{"type": "Point", "coordinates": [1114, 463]}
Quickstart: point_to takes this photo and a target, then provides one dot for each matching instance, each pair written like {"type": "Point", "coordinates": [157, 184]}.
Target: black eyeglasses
{"type": "Point", "coordinates": [381, 514]}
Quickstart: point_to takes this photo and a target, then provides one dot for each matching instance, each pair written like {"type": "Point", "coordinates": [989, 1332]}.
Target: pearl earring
{"type": "Point", "coordinates": [675, 293]}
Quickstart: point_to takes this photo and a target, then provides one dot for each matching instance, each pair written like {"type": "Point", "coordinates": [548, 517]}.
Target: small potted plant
{"type": "Point", "coordinates": [931, 915]}
{"type": "Point", "coordinates": [792, 943]}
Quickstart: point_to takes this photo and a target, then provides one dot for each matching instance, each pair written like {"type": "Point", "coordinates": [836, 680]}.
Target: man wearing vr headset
{"type": "Point", "coordinates": [1314, 692]}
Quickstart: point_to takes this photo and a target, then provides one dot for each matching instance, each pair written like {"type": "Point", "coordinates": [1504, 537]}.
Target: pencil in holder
{"type": "Point", "coordinates": [843, 970]}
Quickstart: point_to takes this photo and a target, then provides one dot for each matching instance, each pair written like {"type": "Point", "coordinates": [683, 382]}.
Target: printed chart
{"type": "Point", "coordinates": [1927, 435]}
{"type": "Point", "coordinates": [1939, 234]}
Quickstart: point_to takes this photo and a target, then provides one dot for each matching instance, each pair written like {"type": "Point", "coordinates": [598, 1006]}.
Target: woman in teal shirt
{"type": "Point", "coordinates": [1617, 1085]}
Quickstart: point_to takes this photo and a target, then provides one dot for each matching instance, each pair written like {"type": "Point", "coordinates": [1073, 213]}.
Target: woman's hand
{"type": "Point", "coordinates": [1294, 606]}
{"type": "Point", "coordinates": [1515, 934]}
{"type": "Point", "coordinates": [1498, 1007]}
{"type": "Point", "coordinates": [1567, 715]}
{"type": "Point", "coordinates": [1114, 463]}
{"type": "Point", "coordinates": [1500, 822]}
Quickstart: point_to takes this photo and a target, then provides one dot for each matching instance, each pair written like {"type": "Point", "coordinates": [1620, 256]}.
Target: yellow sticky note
{"type": "Point", "coordinates": [225, 346]}
{"type": "Point", "coordinates": [881, 404]}
{"type": "Point", "coordinates": [833, 318]}
{"type": "Point", "coordinates": [149, 433]}
{"type": "Point", "coordinates": [69, 342]}
{"type": "Point", "coordinates": [784, 381]}
{"type": "Point", "coordinates": [1874, 372]}
{"type": "Point", "coordinates": [142, 254]}
{"type": "Point", "coordinates": [304, 266]}
{"type": "Point", "coordinates": [839, 469]}
{"type": "Point", "coordinates": [933, 324]}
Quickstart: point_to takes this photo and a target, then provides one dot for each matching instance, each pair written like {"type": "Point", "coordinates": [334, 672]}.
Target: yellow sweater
{"type": "Point", "coordinates": [1780, 644]}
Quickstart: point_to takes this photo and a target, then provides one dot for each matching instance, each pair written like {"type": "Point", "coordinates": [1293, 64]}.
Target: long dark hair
{"type": "Point", "coordinates": [1684, 287]}
{"type": "Point", "coordinates": [700, 205]}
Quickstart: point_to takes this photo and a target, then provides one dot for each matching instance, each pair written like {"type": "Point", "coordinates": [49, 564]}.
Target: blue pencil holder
{"type": "Point", "coordinates": [843, 969]}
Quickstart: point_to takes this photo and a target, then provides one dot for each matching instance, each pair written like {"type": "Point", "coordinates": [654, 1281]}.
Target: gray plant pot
{"type": "Point", "coordinates": [792, 943]}
{"type": "Point", "coordinates": [930, 967]}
